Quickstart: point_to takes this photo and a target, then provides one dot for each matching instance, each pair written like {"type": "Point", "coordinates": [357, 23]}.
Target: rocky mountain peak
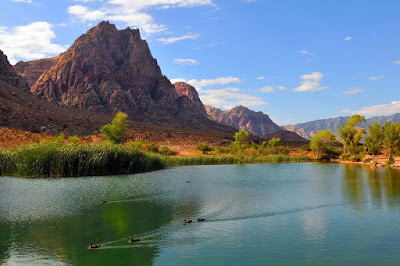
{"type": "Point", "coordinates": [185, 89]}
{"type": "Point", "coordinates": [8, 74]}
{"type": "Point", "coordinates": [108, 70]}
{"type": "Point", "coordinates": [241, 117]}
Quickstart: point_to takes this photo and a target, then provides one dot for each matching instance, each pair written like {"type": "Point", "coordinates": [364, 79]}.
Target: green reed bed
{"type": "Point", "coordinates": [227, 159]}
{"type": "Point", "coordinates": [54, 159]}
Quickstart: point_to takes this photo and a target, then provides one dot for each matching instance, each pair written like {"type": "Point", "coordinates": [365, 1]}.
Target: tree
{"type": "Point", "coordinates": [322, 141]}
{"type": "Point", "coordinates": [351, 135]}
{"type": "Point", "coordinates": [272, 143]}
{"type": "Point", "coordinates": [391, 137]}
{"type": "Point", "coordinates": [116, 130]}
{"type": "Point", "coordinates": [374, 139]}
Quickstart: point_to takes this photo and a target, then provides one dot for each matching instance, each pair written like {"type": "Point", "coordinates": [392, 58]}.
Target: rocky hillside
{"type": "Point", "coordinates": [184, 89]}
{"type": "Point", "coordinates": [309, 129]}
{"type": "Point", "coordinates": [108, 70]}
{"type": "Point", "coordinates": [241, 117]}
{"type": "Point", "coordinates": [32, 70]}
{"type": "Point", "coordinates": [287, 137]}
{"type": "Point", "coordinates": [21, 110]}
{"type": "Point", "coordinates": [8, 74]}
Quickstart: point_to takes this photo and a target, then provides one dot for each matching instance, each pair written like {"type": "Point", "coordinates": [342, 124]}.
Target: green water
{"type": "Point", "coordinates": [255, 215]}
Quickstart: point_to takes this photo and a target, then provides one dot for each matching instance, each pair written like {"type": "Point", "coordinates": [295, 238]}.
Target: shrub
{"type": "Point", "coordinates": [166, 151]}
{"type": "Point", "coordinates": [115, 132]}
{"type": "Point", "coordinates": [204, 148]}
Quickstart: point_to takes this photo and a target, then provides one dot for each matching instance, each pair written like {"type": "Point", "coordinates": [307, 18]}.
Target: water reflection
{"type": "Point", "coordinates": [364, 183]}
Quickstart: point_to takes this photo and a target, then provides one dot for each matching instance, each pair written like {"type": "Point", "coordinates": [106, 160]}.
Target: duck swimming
{"type": "Point", "coordinates": [201, 220]}
{"type": "Point", "coordinates": [103, 201]}
{"type": "Point", "coordinates": [187, 221]}
{"type": "Point", "coordinates": [133, 240]}
{"type": "Point", "coordinates": [94, 246]}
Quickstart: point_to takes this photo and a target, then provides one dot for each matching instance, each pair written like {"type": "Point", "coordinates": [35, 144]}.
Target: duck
{"type": "Point", "coordinates": [201, 219]}
{"type": "Point", "coordinates": [133, 240]}
{"type": "Point", "coordinates": [188, 181]}
{"type": "Point", "coordinates": [187, 221]}
{"type": "Point", "coordinates": [94, 246]}
{"type": "Point", "coordinates": [103, 201]}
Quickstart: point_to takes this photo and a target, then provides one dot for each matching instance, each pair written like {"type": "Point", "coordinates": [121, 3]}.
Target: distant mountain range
{"type": "Point", "coordinates": [309, 129]}
{"type": "Point", "coordinates": [242, 117]}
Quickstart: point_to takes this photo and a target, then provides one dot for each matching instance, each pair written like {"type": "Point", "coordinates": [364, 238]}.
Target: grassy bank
{"type": "Point", "coordinates": [229, 159]}
{"type": "Point", "coordinates": [56, 159]}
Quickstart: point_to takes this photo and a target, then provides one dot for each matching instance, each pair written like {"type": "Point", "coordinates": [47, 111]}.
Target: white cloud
{"type": "Point", "coordinates": [396, 62]}
{"type": "Point", "coordinates": [348, 38]}
{"type": "Point", "coordinates": [271, 89]}
{"type": "Point", "coordinates": [177, 39]}
{"type": "Point", "coordinates": [305, 52]}
{"type": "Point", "coordinates": [353, 91]}
{"type": "Point", "coordinates": [376, 77]}
{"type": "Point", "coordinates": [228, 98]}
{"type": "Point", "coordinates": [383, 109]}
{"type": "Point", "coordinates": [198, 84]}
{"type": "Point", "coordinates": [311, 82]}
{"type": "Point", "coordinates": [29, 42]}
{"type": "Point", "coordinates": [260, 78]}
{"type": "Point", "coordinates": [23, 1]}
{"type": "Point", "coordinates": [132, 12]}
{"type": "Point", "coordinates": [187, 61]}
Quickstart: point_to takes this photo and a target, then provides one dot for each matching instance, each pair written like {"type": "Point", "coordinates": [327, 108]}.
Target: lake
{"type": "Point", "coordinates": [308, 213]}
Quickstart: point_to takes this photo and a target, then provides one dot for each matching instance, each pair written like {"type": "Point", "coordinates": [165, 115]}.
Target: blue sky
{"type": "Point", "coordinates": [294, 60]}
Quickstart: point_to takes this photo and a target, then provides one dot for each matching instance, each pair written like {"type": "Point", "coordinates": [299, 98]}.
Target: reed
{"type": "Point", "coordinates": [228, 159]}
{"type": "Point", "coordinates": [55, 159]}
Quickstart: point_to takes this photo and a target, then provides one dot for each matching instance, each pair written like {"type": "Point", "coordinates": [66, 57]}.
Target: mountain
{"type": "Point", "coordinates": [309, 129]}
{"type": "Point", "coordinates": [32, 70]}
{"type": "Point", "coordinates": [21, 110]}
{"type": "Point", "coordinates": [241, 117]}
{"type": "Point", "coordinates": [8, 74]}
{"type": "Point", "coordinates": [108, 70]}
{"type": "Point", "coordinates": [184, 89]}
{"type": "Point", "coordinates": [287, 136]}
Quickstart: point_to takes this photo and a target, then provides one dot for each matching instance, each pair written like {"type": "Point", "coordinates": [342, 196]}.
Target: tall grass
{"type": "Point", "coordinates": [55, 159]}
{"type": "Point", "coordinates": [228, 159]}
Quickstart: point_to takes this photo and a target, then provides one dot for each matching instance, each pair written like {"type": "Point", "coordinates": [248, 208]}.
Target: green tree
{"type": "Point", "coordinates": [391, 137]}
{"type": "Point", "coordinates": [272, 143]}
{"type": "Point", "coordinates": [323, 141]}
{"type": "Point", "coordinates": [115, 132]}
{"type": "Point", "coordinates": [241, 141]}
{"type": "Point", "coordinates": [351, 135]}
{"type": "Point", "coordinates": [374, 139]}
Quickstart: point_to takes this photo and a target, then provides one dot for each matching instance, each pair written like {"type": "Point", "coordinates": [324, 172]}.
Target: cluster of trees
{"type": "Point", "coordinates": [242, 147]}
{"type": "Point", "coordinates": [379, 137]}
{"type": "Point", "coordinates": [386, 136]}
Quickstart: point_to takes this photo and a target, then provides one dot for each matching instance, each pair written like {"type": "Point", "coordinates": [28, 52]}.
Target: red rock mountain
{"type": "Point", "coordinates": [108, 70]}
{"type": "Point", "coordinates": [32, 70]}
{"type": "Point", "coordinates": [185, 89]}
{"type": "Point", "coordinates": [8, 74]}
{"type": "Point", "coordinates": [241, 117]}
{"type": "Point", "coordinates": [20, 109]}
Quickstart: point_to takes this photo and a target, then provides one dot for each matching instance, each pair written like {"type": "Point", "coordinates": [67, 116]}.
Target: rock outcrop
{"type": "Point", "coordinates": [32, 70]}
{"type": "Point", "coordinates": [185, 89]}
{"type": "Point", "coordinates": [108, 70]}
{"type": "Point", "coordinates": [241, 117]}
{"type": "Point", "coordinates": [8, 74]}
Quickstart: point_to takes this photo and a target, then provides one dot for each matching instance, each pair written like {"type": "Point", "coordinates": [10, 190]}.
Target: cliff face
{"type": "Point", "coordinates": [184, 89]}
{"type": "Point", "coordinates": [32, 70]}
{"type": "Point", "coordinates": [241, 117]}
{"type": "Point", "coordinates": [107, 70]}
{"type": "Point", "coordinates": [20, 109]}
{"type": "Point", "coordinates": [8, 74]}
